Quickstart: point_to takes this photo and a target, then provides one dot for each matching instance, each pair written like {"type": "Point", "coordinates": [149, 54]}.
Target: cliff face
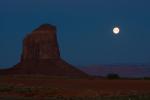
{"type": "Point", "coordinates": [41, 44]}
{"type": "Point", "coordinates": [41, 56]}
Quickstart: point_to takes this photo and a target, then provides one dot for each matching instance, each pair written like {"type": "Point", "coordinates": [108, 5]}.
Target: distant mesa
{"type": "Point", "coordinates": [41, 56]}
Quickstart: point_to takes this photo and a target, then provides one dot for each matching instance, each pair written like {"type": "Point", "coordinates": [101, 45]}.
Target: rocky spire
{"type": "Point", "coordinates": [41, 44]}
{"type": "Point", "coordinates": [45, 27]}
{"type": "Point", "coordinates": [41, 56]}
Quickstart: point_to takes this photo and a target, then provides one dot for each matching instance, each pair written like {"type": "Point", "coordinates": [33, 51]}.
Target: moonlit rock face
{"type": "Point", "coordinates": [116, 30]}
{"type": "Point", "coordinates": [41, 44]}
{"type": "Point", "coordinates": [41, 56]}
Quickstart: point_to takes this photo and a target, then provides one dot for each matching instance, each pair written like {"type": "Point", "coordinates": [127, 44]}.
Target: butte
{"type": "Point", "coordinates": [41, 56]}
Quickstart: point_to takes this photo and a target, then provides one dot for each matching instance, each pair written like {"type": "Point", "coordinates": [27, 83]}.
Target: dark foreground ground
{"type": "Point", "coordinates": [54, 88]}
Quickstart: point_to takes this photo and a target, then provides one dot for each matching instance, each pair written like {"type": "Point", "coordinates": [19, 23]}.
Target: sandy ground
{"type": "Point", "coordinates": [74, 87]}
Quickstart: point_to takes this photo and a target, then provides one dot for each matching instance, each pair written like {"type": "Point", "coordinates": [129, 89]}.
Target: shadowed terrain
{"type": "Point", "coordinates": [46, 86]}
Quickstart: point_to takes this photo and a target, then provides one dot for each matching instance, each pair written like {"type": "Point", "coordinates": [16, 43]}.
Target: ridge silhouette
{"type": "Point", "coordinates": [41, 56]}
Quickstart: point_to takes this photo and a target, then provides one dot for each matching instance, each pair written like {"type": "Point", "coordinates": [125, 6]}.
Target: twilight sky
{"type": "Point", "coordinates": [84, 29]}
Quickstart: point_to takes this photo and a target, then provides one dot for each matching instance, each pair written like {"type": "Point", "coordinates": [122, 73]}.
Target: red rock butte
{"type": "Point", "coordinates": [41, 56]}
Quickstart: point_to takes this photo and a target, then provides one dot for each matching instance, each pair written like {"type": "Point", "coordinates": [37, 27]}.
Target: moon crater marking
{"type": "Point", "coordinates": [116, 30]}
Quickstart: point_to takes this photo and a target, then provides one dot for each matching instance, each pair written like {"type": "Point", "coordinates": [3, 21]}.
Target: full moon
{"type": "Point", "coordinates": [116, 30]}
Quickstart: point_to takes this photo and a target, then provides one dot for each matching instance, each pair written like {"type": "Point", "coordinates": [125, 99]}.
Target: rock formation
{"type": "Point", "coordinates": [41, 56]}
{"type": "Point", "coordinates": [41, 44]}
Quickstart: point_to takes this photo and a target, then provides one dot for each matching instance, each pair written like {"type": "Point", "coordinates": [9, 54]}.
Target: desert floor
{"type": "Point", "coordinates": [47, 86]}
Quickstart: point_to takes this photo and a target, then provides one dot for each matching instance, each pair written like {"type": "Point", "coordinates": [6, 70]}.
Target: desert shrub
{"type": "Point", "coordinates": [131, 97]}
{"type": "Point", "coordinates": [23, 90]}
{"type": "Point", "coordinates": [5, 88]}
{"type": "Point", "coordinates": [113, 76]}
{"type": "Point", "coordinates": [146, 78]}
{"type": "Point", "coordinates": [16, 98]}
